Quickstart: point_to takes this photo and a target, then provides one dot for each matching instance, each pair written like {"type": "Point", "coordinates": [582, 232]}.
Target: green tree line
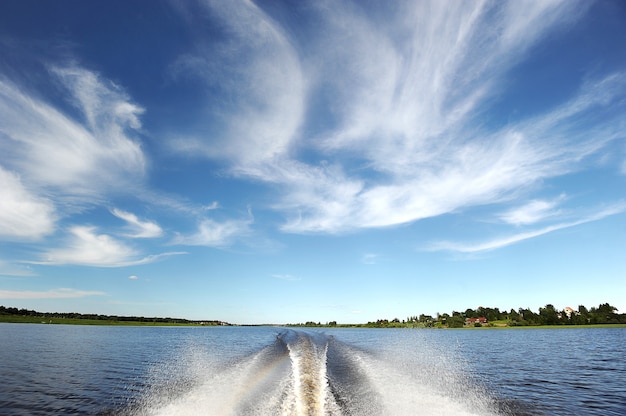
{"type": "Point", "coordinates": [113, 318]}
{"type": "Point", "coordinates": [547, 315]}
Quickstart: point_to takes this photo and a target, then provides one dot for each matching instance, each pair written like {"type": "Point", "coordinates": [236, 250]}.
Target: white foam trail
{"type": "Point", "coordinates": [314, 375]}
{"type": "Point", "coordinates": [427, 394]}
{"type": "Point", "coordinates": [310, 384]}
{"type": "Point", "coordinates": [254, 386]}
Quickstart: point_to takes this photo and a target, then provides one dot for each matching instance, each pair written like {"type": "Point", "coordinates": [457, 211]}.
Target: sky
{"type": "Point", "coordinates": [286, 161]}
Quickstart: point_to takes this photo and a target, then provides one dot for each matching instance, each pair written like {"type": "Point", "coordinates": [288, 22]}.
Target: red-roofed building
{"type": "Point", "coordinates": [471, 321]}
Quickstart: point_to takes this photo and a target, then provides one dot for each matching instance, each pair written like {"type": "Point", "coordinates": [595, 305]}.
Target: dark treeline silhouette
{"type": "Point", "coordinates": [113, 318]}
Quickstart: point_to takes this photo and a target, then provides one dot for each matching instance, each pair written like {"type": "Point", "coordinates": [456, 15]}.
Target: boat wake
{"type": "Point", "coordinates": [308, 370]}
{"type": "Point", "coordinates": [313, 374]}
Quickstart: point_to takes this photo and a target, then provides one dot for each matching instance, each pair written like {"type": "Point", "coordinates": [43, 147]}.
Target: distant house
{"type": "Point", "coordinates": [472, 321]}
{"type": "Point", "coordinates": [569, 311]}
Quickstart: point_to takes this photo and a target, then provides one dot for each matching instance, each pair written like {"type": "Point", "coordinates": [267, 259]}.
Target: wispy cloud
{"type": "Point", "coordinates": [86, 247]}
{"type": "Point", "coordinates": [212, 233]}
{"type": "Point", "coordinates": [62, 293]}
{"type": "Point", "coordinates": [419, 178]}
{"type": "Point", "coordinates": [23, 214]}
{"type": "Point", "coordinates": [140, 228]}
{"type": "Point", "coordinates": [265, 105]}
{"type": "Point", "coordinates": [404, 135]}
{"type": "Point", "coordinates": [213, 205]}
{"type": "Point", "coordinates": [519, 237]}
{"type": "Point", "coordinates": [532, 212]}
{"type": "Point", "coordinates": [104, 104]}
{"type": "Point", "coordinates": [71, 155]}
{"type": "Point", "coordinates": [62, 159]}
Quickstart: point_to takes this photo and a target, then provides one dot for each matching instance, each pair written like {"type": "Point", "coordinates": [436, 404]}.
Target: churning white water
{"type": "Point", "coordinates": [313, 374]}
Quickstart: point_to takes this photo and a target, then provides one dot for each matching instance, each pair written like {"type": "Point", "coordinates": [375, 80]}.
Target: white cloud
{"type": "Point", "coordinates": [321, 196]}
{"type": "Point", "coordinates": [426, 148]}
{"type": "Point", "coordinates": [62, 293]}
{"type": "Point", "coordinates": [516, 238]}
{"type": "Point", "coordinates": [133, 277]}
{"type": "Point", "coordinates": [103, 103]}
{"type": "Point", "coordinates": [215, 234]}
{"type": "Point", "coordinates": [51, 149]}
{"type": "Point", "coordinates": [532, 212]}
{"type": "Point", "coordinates": [473, 168]}
{"type": "Point", "coordinates": [266, 94]}
{"type": "Point", "coordinates": [404, 136]}
{"type": "Point", "coordinates": [88, 248]}
{"type": "Point", "coordinates": [141, 229]}
{"type": "Point", "coordinates": [414, 81]}
{"type": "Point", "coordinates": [23, 214]}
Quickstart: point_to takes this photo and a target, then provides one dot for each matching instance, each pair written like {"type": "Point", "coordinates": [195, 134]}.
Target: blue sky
{"type": "Point", "coordinates": [279, 161]}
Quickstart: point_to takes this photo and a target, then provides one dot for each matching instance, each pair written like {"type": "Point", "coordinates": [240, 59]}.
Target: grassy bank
{"type": "Point", "coordinates": [71, 321]}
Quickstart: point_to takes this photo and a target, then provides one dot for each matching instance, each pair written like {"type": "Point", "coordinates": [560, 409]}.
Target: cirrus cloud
{"type": "Point", "coordinates": [213, 233]}
{"type": "Point", "coordinates": [463, 247]}
{"type": "Point", "coordinates": [86, 247]}
{"type": "Point", "coordinates": [23, 214]}
{"type": "Point", "coordinates": [265, 103]}
{"type": "Point", "coordinates": [83, 154]}
{"type": "Point", "coordinates": [532, 212]}
{"type": "Point", "coordinates": [140, 228]}
{"type": "Point", "coordinates": [405, 133]}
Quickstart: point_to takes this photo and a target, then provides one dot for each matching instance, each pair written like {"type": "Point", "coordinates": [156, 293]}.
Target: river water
{"type": "Point", "coordinates": [109, 370]}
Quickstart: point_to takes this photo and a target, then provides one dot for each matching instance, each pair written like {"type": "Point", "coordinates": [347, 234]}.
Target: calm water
{"type": "Point", "coordinates": [57, 369]}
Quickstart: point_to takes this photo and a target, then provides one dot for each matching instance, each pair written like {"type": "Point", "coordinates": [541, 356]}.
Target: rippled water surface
{"type": "Point", "coordinates": [58, 369]}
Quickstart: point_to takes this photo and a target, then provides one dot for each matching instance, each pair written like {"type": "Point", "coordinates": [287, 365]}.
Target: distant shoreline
{"type": "Point", "coordinates": [8, 319]}
{"type": "Point", "coordinates": [99, 322]}
{"type": "Point", "coordinates": [483, 318]}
